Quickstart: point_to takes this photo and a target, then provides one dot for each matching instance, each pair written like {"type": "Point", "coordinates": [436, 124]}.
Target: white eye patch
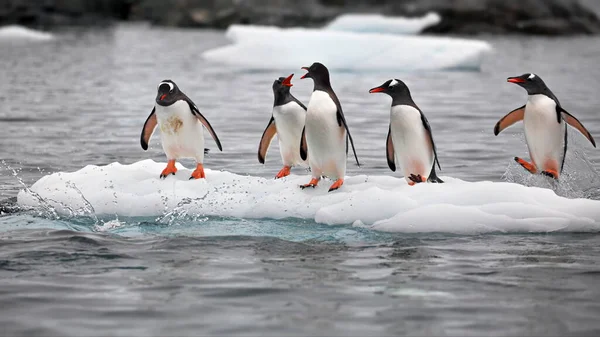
{"type": "Point", "coordinates": [393, 83]}
{"type": "Point", "coordinates": [531, 77]}
{"type": "Point", "coordinates": [171, 86]}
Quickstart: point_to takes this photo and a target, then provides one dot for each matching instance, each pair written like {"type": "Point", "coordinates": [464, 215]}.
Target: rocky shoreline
{"type": "Point", "coordinates": [538, 17]}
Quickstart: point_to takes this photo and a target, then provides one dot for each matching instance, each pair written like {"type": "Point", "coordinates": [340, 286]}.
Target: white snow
{"type": "Point", "coordinates": [19, 33]}
{"type": "Point", "coordinates": [376, 23]}
{"type": "Point", "coordinates": [265, 47]}
{"type": "Point", "coordinates": [383, 203]}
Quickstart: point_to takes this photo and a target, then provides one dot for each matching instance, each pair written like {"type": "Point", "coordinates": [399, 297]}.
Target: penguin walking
{"type": "Point", "coordinates": [287, 121]}
{"type": "Point", "coordinates": [180, 123]}
{"type": "Point", "coordinates": [545, 122]}
{"type": "Point", "coordinates": [325, 135]}
{"type": "Point", "coordinates": [409, 139]}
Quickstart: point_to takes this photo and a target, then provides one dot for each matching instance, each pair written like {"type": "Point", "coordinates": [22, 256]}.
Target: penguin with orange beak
{"type": "Point", "coordinates": [287, 122]}
{"type": "Point", "coordinates": [545, 122]}
{"type": "Point", "coordinates": [181, 127]}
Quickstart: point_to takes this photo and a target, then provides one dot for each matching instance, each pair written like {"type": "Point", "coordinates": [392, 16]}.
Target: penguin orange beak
{"type": "Point", "coordinates": [305, 75]}
{"type": "Point", "coordinates": [515, 80]}
{"type": "Point", "coordinates": [288, 81]}
{"type": "Point", "coordinates": [163, 96]}
{"type": "Point", "coordinates": [378, 89]}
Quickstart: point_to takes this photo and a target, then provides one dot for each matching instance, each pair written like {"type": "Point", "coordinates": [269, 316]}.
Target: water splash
{"type": "Point", "coordinates": [579, 178]}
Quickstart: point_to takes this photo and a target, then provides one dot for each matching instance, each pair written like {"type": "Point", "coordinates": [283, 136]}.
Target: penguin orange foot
{"type": "Point", "coordinates": [526, 165]}
{"type": "Point", "coordinates": [415, 179]}
{"type": "Point", "coordinates": [285, 171]}
{"type": "Point", "coordinates": [313, 183]}
{"type": "Point", "coordinates": [198, 172]}
{"type": "Point", "coordinates": [551, 174]}
{"type": "Point", "coordinates": [337, 184]}
{"type": "Point", "coordinates": [170, 169]}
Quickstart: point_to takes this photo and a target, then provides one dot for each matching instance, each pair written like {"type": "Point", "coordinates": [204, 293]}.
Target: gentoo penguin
{"type": "Point", "coordinates": [545, 129]}
{"type": "Point", "coordinates": [409, 138]}
{"type": "Point", "coordinates": [180, 123]}
{"type": "Point", "coordinates": [326, 132]}
{"type": "Point", "coordinates": [287, 121]}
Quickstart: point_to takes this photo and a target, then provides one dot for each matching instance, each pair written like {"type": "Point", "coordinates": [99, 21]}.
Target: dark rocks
{"type": "Point", "coordinates": [545, 17]}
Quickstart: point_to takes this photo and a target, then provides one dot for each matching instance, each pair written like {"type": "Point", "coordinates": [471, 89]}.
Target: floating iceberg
{"type": "Point", "coordinates": [376, 23]}
{"type": "Point", "coordinates": [263, 47]}
{"type": "Point", "coordinates": [379, 202]}
{"type": "Point", "coordinates": [19, 33]}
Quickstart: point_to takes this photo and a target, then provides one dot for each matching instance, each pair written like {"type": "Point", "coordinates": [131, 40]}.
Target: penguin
{"type": "Point", "coordinates": [545, 122]}
{"type": "Point", "coordinates": [287, 121]}
{"type": "Point", "coordinates": [325, 135]}
{"type": "Point", "coordinates": [180, 123]}
{"type": "Point", "coordinates": [409, 140]}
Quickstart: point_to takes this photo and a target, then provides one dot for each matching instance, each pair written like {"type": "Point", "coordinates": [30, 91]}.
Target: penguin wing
{"type": "Point", "coordinates": [428, 129]}
{"type": "Point", "coordinates": [510, 119]}
{"type": "Point", "coordinates": [389, 151]}
{"type": "Point", "coordinates": [266, 139]}
{"type": "Point", "coordinates": [204, 121]}
{"type": "Point", "coordinates": [148, 129]}
{"type": "Point", "coordinates": [342, 122]}
{"type": "Point", "coordinates": [303, 146]}
{"type": "Point", "coordinates": [574, 122]}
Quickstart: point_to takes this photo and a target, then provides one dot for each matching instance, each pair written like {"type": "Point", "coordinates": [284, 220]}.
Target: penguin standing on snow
{"type": "Point", "coordinates": [325, 135]}
{"type": "Point", "coordinates": [287, 121]}
{"type": "Point", "coordinates": [180, 123]}
{"type": "Point", "coordinates": [545, 129]}
{"type": "Point", "coordinates": [409, 138]}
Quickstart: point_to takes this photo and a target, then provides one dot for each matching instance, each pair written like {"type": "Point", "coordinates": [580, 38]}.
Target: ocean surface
{"type": "Point", "coordinates": [82, 99]}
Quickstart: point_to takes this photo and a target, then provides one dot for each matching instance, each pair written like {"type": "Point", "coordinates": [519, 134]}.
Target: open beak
{"type": "Point", "coordinates": [305, 75]}
{"type": "Point", "coordinates": [378, 89]}
{"type": "Point", "coordinates": [162, 96]}
{"type": "Point", "coordinates": [288, 81]}
{"type": "Point", "coordinates": [515, 80]}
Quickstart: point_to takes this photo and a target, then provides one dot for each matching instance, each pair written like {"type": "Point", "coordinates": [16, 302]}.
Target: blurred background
{"type": "Point", "coordinates": [548, 17]}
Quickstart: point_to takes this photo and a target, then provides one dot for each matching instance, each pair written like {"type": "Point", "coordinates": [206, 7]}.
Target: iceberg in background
{"type": "Point", "coordinates": [382, 203]}
{"type": "Point", "coordinates": [19, 33]}
{"type": "Point", "coordinates": [377, 23]}
{"type": "Point", "coordinates": [264, 48]}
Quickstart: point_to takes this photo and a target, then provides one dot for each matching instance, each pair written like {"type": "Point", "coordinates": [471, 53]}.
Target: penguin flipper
{"type": "Point", "coordinates": [303, 146]}
{"type": "Point", "coordinates": [574, 122]}
{"type": "Point", "coordinates": [266, 139]}
{"type": "Point", "coordinates": [428, 129]}
{"type": "Point", "coordinates": [510, 119]}
{"type": "Point", "coordinates": [342, 122]}
{"type": "Point", "coordinates": [204, 121]}
{"type": "Point", "coordinates": [148, 129]}
{"type": "Point", "coordinates": [433, 178]}
{"type": "Point", "coordinates": [389, 151]}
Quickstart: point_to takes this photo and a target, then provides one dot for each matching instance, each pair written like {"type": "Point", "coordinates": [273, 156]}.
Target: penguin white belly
{"type": "Point", "coordinates": [325, 139]}
{"type": "Point", "coordinates": [289, 121]}
{"type": "Point", "coordinates": [412, 146]}
{"type": "Point", "coordinates": [543, 133]}
{"type": "Point", "coordinates": [181, 132]}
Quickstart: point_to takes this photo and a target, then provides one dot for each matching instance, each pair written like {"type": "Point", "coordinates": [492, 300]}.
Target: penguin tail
{"type": "Point", "coordinates": [433, 178]}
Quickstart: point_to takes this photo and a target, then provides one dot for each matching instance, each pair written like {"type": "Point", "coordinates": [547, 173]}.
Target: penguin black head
{"type": "Point", "coordinates": [530, 82]}
{"type": "Point", "coordinates": [397, 90]}
{"type": "Point", "coordinates": [168, 93]}
{"type": "Point", "coordinates": [282, 85]}
{"type": "Point", "coordinates": [319, 73]}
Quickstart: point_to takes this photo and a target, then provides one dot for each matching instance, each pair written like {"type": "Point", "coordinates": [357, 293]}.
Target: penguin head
{"type": "Point", "coordinates": [530, 82]}
{"type": "Point", "coordinates": [282, 85]}
{"type": "Point", "coordinates": [167, 93]}
{"type": "Point", "coordinates": [318, 72]}
{"type": "Point", "coordinates": [394, 87]}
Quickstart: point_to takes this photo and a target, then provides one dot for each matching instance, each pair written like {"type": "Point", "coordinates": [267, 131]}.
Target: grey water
{"type": "Point", "coordinates": [83, 98]}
